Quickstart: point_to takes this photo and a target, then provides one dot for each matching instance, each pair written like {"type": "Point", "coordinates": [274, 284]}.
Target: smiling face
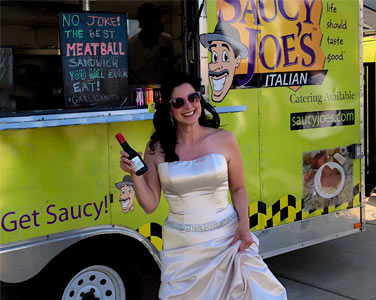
{"type": "Point", "coordinates": [190, 112]}
{"type": "Point", "coordinates": [127, 198]}
{"type": "Point", "coordinates": [222, 69]}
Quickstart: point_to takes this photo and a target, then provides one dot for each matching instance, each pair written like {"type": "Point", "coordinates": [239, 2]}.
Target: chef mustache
{"type": "Point", "coordinates": [218, 74]}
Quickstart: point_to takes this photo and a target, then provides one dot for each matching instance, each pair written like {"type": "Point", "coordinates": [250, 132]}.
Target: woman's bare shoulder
{"type": "Point", "coordinates": [221, 141]}
{"type": "Point", "coordinates": [224, 136]}
{"type": "Point", "coordinates": [226, 140]}
{"type": "Point", "coordinates": [216, 132]}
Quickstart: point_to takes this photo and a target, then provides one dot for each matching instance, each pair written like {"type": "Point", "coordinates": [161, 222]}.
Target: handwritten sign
{"type": "Point", "coordinates": [94, 49]}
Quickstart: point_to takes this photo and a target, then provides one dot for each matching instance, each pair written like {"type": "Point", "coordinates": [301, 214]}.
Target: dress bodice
{"type": "Point", "coordinates": [200, 259]}
{"type": "Point", "coordinates": [196, 190]}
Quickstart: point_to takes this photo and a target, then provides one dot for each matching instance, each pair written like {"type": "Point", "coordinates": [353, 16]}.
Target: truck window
{"type": "Point", "coordinates": [32, 78]}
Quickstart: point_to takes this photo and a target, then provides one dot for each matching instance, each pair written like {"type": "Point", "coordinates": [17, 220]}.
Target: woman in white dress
{"type": "Point", "coordinates": [208, 251]}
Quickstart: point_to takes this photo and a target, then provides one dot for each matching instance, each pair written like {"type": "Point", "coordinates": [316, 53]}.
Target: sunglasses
{"type": "Point", "coordinates": [179, 102]}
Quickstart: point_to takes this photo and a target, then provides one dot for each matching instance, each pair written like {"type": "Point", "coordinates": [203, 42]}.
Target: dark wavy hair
{"type": "Point", "coordinates": [165, 131]}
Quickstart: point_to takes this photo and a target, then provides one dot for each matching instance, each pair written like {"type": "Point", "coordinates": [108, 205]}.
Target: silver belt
{"type": "Point", "coordinates": [202, 227]}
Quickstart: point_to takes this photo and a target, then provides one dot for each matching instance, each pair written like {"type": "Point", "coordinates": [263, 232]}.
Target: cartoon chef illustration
{"type": "Point", "coordinates": [227, 52]}
{"type": "Point", "coordinates": [127, 194]}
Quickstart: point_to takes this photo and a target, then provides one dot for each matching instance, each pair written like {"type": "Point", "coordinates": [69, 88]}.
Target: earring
{"type": "Point", "coordinates": [172, 121]}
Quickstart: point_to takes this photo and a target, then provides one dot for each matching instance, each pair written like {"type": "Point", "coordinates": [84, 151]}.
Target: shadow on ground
{"type": "Point", "coordinates": [344, 268]}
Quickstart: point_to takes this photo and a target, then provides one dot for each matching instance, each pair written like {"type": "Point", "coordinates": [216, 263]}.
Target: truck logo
{"type": "Point", "coordinates": [127, 194]}
{"type": "Point", "coordinates": [282, 40]}
{"type": "Point", "coordinates": [227, 51]}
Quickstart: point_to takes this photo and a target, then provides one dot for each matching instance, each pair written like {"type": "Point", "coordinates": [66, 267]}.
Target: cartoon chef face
{"type": "Point", "coordinates": [127, 198]}
{"type": "Point", "coordinates": [227, 51]}
{"type": "Point", "coordinates": [222, 69]}
{"type": "Point", "coordinates": [127, 194]}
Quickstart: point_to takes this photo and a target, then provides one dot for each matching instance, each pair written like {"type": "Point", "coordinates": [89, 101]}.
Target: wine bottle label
{"type": "Point", "coordinates": [136, 164]}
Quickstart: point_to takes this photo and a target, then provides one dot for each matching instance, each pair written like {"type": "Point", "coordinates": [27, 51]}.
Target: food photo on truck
{"type": "Point", "coordinates": [284, 76]}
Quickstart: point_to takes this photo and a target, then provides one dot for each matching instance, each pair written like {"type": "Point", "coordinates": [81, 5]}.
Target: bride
{"type": "Point", "coordinates": [208, 251]}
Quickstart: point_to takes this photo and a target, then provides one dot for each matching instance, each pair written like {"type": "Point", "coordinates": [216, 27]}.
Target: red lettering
{"type": "Point", "coordinates": [71, 48]}
{"type": "Point", "coordinates": [110, 50]}
{"type": "Point", "coordinates": [100, 21]}
{"type": "Point", "coordinates": [107, 21]}
{"type": "Point", "coordinates": [103, 49]}
{"type": "Point", "coordinates": [120, 49]}
{"type": "Point", "coordinates": [93, 19]}
{"type": "Point", "coordinates": [79, 49]}
{"type": "Point", "coordinates": [95, 47]}
{"type": "Point", "coordinates": [103, 21]}
{"type": "Point", "coordinates": [88, 49]}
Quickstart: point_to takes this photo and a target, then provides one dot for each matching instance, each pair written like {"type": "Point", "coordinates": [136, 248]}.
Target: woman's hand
{"type": "Point", "coordinates": [125, 163]}
{"type": "Point", "coordinates": [242, 233]}
{"type": "Point", "coordinates": [146, 186]}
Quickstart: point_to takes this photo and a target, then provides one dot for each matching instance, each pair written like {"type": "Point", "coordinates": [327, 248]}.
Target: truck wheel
{"type": "Point", "coordinates": [91, 277]}
{"type": "Point", "coordinates": [95, 282]}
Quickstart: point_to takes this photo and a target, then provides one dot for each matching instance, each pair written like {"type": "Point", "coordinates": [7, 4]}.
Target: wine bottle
{"type": "Point", "coordinates": [138, 165]}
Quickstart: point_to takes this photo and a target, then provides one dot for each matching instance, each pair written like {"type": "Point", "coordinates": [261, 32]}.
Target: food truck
{"type": "Point", "coordinates": [285, 76]}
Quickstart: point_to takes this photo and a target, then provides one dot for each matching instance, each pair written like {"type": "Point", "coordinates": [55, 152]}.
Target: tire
{"type": "Point", "coordinates": [96, 275]}
{"type": "Point", "coordinates": [95, 282]}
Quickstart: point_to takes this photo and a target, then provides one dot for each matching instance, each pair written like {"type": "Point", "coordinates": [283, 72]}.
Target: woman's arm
{"type": "Point", "coordinates": [238, 191]}
{"type": "Point", "coordinates": [147, 186]}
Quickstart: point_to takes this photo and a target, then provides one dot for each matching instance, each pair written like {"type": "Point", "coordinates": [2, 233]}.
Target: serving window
{"type": "Point", "coordinates": [38, 77]}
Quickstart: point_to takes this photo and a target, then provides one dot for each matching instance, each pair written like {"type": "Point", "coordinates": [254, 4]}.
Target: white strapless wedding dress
{"type": "Point", "coordinates": [197, 259]}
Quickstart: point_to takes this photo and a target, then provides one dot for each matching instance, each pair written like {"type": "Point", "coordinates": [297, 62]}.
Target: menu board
{"type": "Point", "coordinates": [94, 51]}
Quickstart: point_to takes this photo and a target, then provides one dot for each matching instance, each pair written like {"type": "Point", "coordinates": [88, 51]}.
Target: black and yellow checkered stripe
{"type": "Point", "coordinates": [284, 210]}
{"type": "Point", "coordinates": [153, 232]}
{"type": "Point", "coordinates": [287, 209]}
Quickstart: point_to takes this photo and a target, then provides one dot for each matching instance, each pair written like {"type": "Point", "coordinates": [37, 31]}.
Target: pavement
{"type": "Point", "coordinates": [340, 269]}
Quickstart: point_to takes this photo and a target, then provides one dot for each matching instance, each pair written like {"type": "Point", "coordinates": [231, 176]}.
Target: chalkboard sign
{"type": "Point", "coordinates": [94, 50]}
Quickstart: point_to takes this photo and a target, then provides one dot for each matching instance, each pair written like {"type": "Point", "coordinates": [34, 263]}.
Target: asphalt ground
{"type": "Point", "coordinates": [344, 268]}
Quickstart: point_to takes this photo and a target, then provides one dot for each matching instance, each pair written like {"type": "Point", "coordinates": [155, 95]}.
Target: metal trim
{"type": "Point", "coordinates": [231, 109]}
{"type": "Point", "coordinates": [99, 117]}
{"type": "Point", "coordinates": [184, 35]}
{"type": "Point", "coordinates": [308, 243]}
{"type": "Point", "coordinates": [16, 262]}
{"type": "Point", "coordinates": [361, 108]}
{"type": "Point", "coordinates": [299, 234]}
{"type": "Point", "coordinates": [85, 5]}
{"type": "Point", "coordinates": [203, 52]}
